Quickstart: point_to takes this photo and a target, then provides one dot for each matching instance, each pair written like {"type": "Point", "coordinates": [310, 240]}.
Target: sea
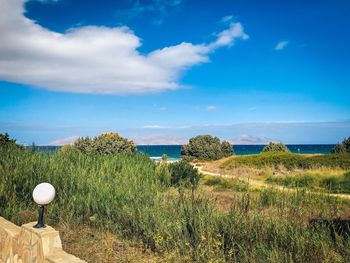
{"type": "Point", "coordinates": [174, 151]}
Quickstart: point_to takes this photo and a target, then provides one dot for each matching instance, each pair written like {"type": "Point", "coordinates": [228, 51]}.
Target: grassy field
{"type": "Point", "coordinates": [127, 199]}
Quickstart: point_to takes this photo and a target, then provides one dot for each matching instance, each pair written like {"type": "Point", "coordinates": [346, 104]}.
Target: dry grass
{"type": "Point", "coordinates": [97, 246]}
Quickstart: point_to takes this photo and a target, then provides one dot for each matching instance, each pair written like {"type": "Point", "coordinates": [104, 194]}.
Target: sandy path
{"type": "Point", "coordinates": [263, 184]}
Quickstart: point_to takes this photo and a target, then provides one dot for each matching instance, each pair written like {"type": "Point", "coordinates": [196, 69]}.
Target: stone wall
{"type": "Point", "coordinates": [26, 244]}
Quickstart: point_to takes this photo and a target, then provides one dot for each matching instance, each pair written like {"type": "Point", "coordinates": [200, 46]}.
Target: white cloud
{"type": "Point", "coordinates": [93, 59]}
{"type": "Point", "coordinates": [211, 107]}
{"type": "Point", "coordinates": [281, 45]}
{"type": "Point", "coordinates": [226, 19]}
{"type": "Point", "coordinates": [155, 127]}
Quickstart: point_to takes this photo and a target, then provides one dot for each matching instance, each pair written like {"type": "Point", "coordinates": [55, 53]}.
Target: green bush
{"type": "Point", "coordinates": [5, 141]}
{"type": "Point", "coordinates": [206, 147]}
{"type": "Point", "coordinates": [106, 143]}
{"type": "Point", "coordinates": [275, 147]}
{"type": "Point", "coordinates": [343, 147]}
{"type": "Point", "coordinates": [183, 174]}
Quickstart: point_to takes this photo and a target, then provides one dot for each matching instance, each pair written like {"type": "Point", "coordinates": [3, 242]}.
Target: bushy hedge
{"type": "Point", "coordinates": [275, 147]}
{"type": "Point", "coordinates": [206, 147]}
{"type": "Point", "coordinates": [106, 143]}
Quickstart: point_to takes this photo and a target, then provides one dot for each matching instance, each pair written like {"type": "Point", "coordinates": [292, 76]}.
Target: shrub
{"type": "Point", "coordinates": [106, 143]}
{"type": "Point", "coordinates": [339, 148]}
{"type": "Point", "coordinates": [164, 158]}
{"type": "Point", "coordinates": [183, 174]}
{"type": "Point", "coordinates": [343, 147]}
{"type": "Point", "coordinates": [206, 147]}
{"type": "Point", "coordinates": [5, 140]}
{"type": "Point", "coordinates": [275, 147]}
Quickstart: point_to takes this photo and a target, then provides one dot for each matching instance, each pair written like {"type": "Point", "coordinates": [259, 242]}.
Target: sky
{"type": "Point", "coordinates": [162, 71]}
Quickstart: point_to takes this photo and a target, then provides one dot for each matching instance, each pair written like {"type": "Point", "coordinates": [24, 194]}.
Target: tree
{"type": "Point", "coordinates": [343, 147]}
{"type": "Point", "coordinates": [275, 147]}
{"type": "Point", "coordinates": [106, 143]}
{"type": "Point", "coordinates": [227, 149]}
{"type": "Point", "coordinates": [5, 140]}
{"type": "Point", "coordinates": [206, 147]}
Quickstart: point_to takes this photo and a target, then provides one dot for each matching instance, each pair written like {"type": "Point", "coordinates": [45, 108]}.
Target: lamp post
{"type": "Point", "coordinates": [43, 194]}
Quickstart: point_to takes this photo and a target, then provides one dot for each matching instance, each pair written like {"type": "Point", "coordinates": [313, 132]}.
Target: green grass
{"type": "Point", "coordinates": [221, 184]}
{"type": "Point", "coordinates": [125, 195]}
{"type": "Point", "coordinates": [333, 184]}
{"type": "Point", "coordinates": [289, 161]}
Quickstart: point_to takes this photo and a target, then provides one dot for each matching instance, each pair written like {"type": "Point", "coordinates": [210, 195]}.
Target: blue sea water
{"type": "Point", "coordinates": [174, 151]}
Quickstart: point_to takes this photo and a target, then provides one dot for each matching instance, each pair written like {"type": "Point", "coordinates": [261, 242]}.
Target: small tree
{"type": "Point", "coordinates": [206, 147]}
{"type": "Point", "coordinates": [5, 140]}
{"type": "Point", "coordinates": [106, 143]}
{"type": "Point", "coordinates": [227, 149]}
{"type": "Point", "coordinates": [343, 147]}
{"type": "Point", "coordinates": [275, 147]}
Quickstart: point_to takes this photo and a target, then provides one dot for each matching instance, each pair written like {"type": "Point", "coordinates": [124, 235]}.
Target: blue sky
{"type": "Point", "coordinates": [161, 71]}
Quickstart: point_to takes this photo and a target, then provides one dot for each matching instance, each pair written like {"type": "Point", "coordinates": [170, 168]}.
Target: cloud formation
{"type": "Point", "coordinates": [281, 45]}
{"type": "Point", "coordinates": [211, 107]}
{"type": "Point", "coordinates": [93, 59]}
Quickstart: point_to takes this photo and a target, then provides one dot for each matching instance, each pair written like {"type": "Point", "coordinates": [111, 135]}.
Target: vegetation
{"type": "Point", "coordinates": [333, 184]}
{"type": "Point", "coordinates": [106, 143]}
{"type": "Point", "coordinates": [5, 141]}
{"type": "Point", "coordinates": [275, 147]}
{"type": "Point", "coordinates": [206, 147]}
{"type": "Point", "coordinates": [343, 147]}
{"type": "Point", "coordinates": [133, 197]}
{"type": "Point", "coordinates": [183, 174]}
{"type": "Point", "coordinates": [288, 161]}
{"type": "Point", "coordinates": [221, 184]}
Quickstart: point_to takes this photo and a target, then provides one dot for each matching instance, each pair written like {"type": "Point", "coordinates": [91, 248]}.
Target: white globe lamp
{"type": "Point", "coordinates": [43, 194]}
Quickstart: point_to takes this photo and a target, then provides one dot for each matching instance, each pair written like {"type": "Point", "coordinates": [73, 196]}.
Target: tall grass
{"type": "Point", "coordinates": [125, 195]}
{"type": "Point", "coordinates": [331, 183]}
{"type": "Point", "coordinates": [288, 160]}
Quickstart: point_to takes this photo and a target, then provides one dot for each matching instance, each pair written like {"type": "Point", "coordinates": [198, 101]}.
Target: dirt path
{"type": "Point", "coordinates": [263, 184]}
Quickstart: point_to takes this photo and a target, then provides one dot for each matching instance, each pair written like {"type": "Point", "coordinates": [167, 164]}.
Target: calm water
{"type": "Point", "coordinates": [174, 151]}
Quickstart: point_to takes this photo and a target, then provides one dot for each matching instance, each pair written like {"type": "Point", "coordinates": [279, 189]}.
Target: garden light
{"type": "Point", "coordinates": [43, 194]}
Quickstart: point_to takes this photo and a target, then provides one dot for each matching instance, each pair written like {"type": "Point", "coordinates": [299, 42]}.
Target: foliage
{"type": "Point", "coordinates": [106, 143]}
{"type": "Point", "coordinates": [334, 184]}
{"type": "Point", "coordinates": [275, 147]}
{"type": "Point", "coordinates": [289, 161]}
{"type": "Point", "coordinates": [5, 140]}
{"type": "Point", "coordinates": [342, 147]}
{"type": "Point", "coordinates": [183, 174]}
{"type": "Point", "coordinates": [226, 184]}
{"type": "Point", "coordinates": [164, 158]}
{"type": "Point", "coordinates": [124, 195]}
{"type": "Point", "coordinates": [339, 148]}
{"type": "Point", "coordinates": [206, 147]}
